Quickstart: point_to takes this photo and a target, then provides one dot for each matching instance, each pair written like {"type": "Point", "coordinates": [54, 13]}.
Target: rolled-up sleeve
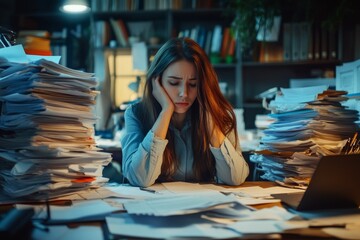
{"type": "Point", "coordinates": [142, 154]}
{"type": "Point", "coordinates": [231, 167]}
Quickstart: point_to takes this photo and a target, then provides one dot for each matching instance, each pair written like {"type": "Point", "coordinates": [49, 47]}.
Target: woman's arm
{"type": "Point", "coordinates": [143, 155]}
{"type": "Point", "coordinates": [161, 124]}
{"type": "Point", "coordinates": [231, 167]}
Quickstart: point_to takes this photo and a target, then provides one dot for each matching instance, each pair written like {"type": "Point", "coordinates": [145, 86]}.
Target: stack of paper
{"type": "Point", "coordinates": [310, 122]}
{"type": "Point", "coordinates": [47, 145]}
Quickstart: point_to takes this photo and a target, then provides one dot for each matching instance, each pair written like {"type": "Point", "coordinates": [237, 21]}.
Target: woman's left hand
{"type": "Point", "coordinates": [216, 136]}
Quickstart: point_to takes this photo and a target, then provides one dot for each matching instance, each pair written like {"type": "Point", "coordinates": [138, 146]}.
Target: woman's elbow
{"type": "Point", "coordinates": [239, 179]}
{"type": "Point", "coordinates": [139, 181]}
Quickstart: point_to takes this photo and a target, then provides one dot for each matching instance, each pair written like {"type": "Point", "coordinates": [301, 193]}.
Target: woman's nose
{"type": "Point", "coordinates": [184, 91]}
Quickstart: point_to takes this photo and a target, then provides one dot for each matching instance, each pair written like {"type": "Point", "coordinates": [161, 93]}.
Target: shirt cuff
{"type": "Point", "coordinates": [152, 140]}
{"type": "Point", "coordinates": [225, 149]}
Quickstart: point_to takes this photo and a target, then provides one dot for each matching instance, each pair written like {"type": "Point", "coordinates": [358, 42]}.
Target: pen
{"type": "Point", "coordinates": [48, 212]}
{"type": "Point", "coordinates": [335, 225]}
{"type": "Point", "coordinates": [148, 189]}
{"type": "Point", "coordinates": [40, 226]}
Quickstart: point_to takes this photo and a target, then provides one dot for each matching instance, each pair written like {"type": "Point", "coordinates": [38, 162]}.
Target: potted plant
{"type": "Point", "coordinates": [251, 16]}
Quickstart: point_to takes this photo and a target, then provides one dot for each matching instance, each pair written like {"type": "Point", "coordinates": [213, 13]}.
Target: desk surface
{"type": "Point", "coordinates": [98, 230]}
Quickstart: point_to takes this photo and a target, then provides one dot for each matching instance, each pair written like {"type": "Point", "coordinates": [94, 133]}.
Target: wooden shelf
{"type": "Point", "coordinates": [292, 63]}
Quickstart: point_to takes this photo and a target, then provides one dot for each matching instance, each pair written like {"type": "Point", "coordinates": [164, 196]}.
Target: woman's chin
{"type": "Point", "coordinates": [181, 110]}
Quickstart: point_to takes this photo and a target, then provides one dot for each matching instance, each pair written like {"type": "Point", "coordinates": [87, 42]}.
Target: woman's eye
{"type": "Point", "coordinates": [173, 83]}
{"type": "Point", "coordinates": [193, 85]}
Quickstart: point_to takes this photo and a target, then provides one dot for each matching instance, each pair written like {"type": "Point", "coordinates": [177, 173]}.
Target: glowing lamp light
{"type": "Point", "coordinates": [75, 6]}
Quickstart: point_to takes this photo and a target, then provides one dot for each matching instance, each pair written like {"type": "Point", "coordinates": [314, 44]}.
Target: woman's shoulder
{"type": "Point", "coordinates": [132, 108]}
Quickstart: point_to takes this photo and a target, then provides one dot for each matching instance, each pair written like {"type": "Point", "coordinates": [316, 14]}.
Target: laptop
{"type": "Point", "coordinates": [335, 184]}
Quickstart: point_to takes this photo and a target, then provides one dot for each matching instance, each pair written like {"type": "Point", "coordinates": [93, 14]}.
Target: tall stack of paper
{"type": "Point", "coordinates": [47, 147]}
{"type": "Point", "coordinates": [310, 122]}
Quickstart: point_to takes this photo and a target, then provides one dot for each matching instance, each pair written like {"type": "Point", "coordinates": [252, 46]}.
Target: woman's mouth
{"type": "Point", "coordinates": [182, 104]}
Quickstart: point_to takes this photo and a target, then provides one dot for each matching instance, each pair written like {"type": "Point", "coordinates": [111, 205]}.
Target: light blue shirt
{"type": "Point", "coordinates": [143, 155]}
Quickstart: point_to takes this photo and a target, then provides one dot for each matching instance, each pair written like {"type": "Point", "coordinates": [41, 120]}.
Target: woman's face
{"type": "Point", "coordinates": [180, 82]}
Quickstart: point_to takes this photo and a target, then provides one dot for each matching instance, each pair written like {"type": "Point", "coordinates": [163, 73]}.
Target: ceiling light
{"type": "Point", "coordinates": [75, 6]}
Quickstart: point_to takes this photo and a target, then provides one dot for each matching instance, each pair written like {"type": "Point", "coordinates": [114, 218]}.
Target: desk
{"type": "Point", "coordinates": [98, 230]}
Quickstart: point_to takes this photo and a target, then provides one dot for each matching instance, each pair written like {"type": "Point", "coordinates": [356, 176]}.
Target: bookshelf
{"type": "Point", "coordinates": [166, 23]}
{"type": "Point", "coordinates": [68, 34]}
{"type": "Point", "coordinates": [333, 38]}
{"type": "Point", "coordinates": [160, 20]}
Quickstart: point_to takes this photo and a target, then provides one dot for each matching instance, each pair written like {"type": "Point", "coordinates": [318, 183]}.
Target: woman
{"type": "Point", "coordinates": [183, 129]}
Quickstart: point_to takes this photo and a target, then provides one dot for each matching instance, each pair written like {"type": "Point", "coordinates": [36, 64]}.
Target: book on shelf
{"type": "Point", "coordinates": [225, 42]}
{"type": "Point", "coordinates": [194, 33]}
{"type": "Point", "coordinates": [35, 45]}
{"type": "Point", "coordinates": [208, 42]}
{"type": "Point", "coordinates": [34, 32]}
{"type": "Point", "coordinates": [324, 43]}
{"type": "Point", "coordinates": [231, 47]}
{"type": "Point", "coordinates": [228, 44]}
{"type": "Point", "coordinates": [317, 41]}
{"type": "Point", "coordinates": [287, 41]}
{"type": "Point", "coordinates": [59, 46]}
{"type": "Point", "coordinates": [201, 38]}
{"type": "Point", "coordinates": [310, 39]}
{"type": "Point", "coordinates": [120, 32]}
{"type": "Point", "coordinates": [102, 33]}
{"type": "Point", "coordinates": [295, 41]}
{"type": "Point", "coordinates": [216, 39]}
{"type": "Point", "coordinates": [332, 44]}
{"type": "Point", "coordinates": [305, 41]}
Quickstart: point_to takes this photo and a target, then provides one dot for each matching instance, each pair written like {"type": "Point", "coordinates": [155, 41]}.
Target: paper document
{"type": "Point", "coordinates": [179, 204]}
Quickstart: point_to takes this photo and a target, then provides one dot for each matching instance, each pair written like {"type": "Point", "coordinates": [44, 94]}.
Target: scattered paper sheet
{"type": "Point", "coordinates": [179, 204]}
{"type": "Point", "coordinates": [184, 187]}
{"type": "Point", "coordinates": [189, 226]}
{"type": "Point", "coordinates": [78, 210]}
{"type": "Point", "coordinates": [17, 54]}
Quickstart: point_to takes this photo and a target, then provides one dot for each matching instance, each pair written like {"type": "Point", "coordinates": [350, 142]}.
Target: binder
{"type": "Point", "coordinates": [287, 41]}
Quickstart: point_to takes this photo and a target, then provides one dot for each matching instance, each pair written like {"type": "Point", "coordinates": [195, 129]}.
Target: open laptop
{"type": "Point", "coordinates": [335, 184]}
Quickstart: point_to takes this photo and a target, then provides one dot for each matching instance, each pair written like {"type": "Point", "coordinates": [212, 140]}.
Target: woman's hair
{"type": "Point", "coordinates": [210, 103]}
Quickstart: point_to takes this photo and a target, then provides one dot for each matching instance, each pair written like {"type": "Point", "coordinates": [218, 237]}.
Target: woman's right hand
{"type": "Point", "coordinates": [161, 96]}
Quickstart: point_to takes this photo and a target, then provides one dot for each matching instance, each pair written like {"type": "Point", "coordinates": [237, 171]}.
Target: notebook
{"type": "Point", "coordinates": [335, 184]}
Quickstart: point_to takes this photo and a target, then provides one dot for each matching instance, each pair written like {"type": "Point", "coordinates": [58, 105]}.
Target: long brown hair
{"type": "Point", "coordinates": [210, 103]}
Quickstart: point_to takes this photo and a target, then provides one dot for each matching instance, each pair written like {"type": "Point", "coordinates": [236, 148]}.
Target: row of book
{"type": "Point", "coordinates": [302, 41]}
{"type": "Point", "coordinates": [308, 41]}
{"type": "Point", "coordinates": [215, 41]}
{"type": "Point", "coordinates": [118, 33]}
{"type": "Point", "coordinates": [134, 5]}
